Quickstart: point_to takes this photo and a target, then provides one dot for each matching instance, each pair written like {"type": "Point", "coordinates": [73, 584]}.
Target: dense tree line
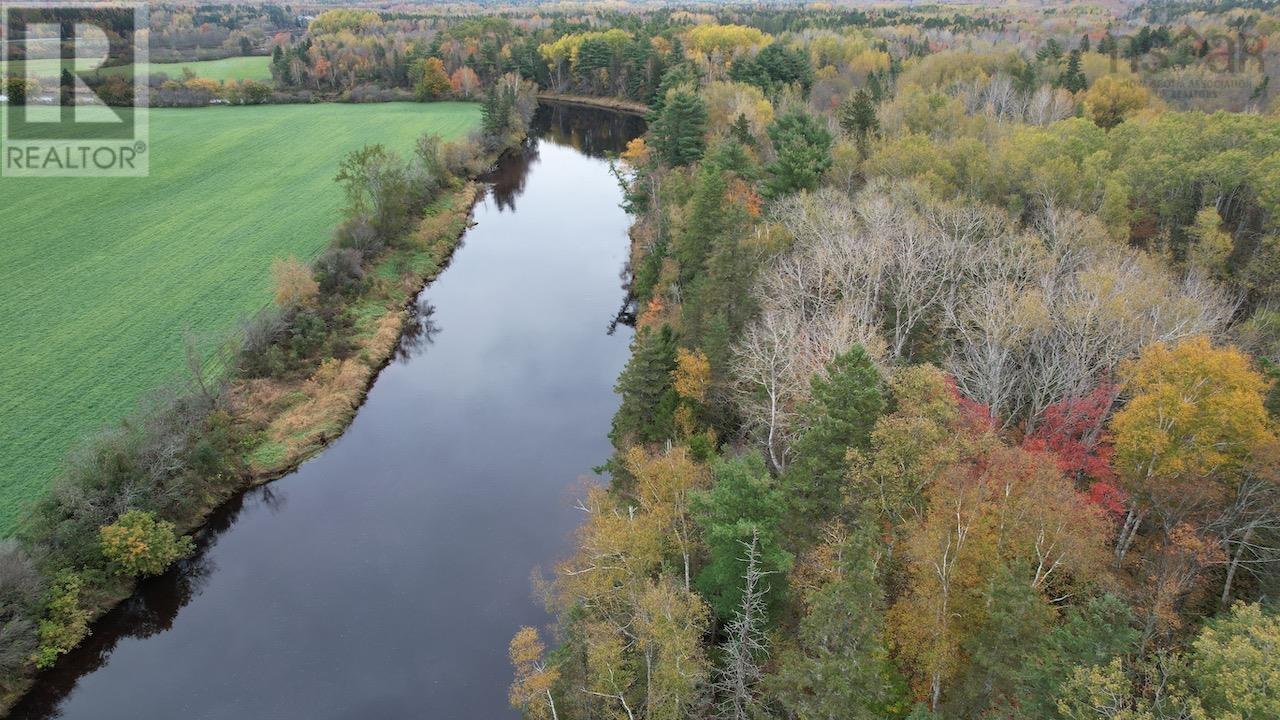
{"type": "Point", "coordinates": [952, 394]}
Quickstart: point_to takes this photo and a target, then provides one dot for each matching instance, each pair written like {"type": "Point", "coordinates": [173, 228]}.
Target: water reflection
{"type": "Point", "coordinates": [419, 331]}
{"type": "Point", "coordinates": [596, 133]}
{"type": "Point", "coordinates": [389, 583]}
{"type": "Point", "coordinates": [506, 181]}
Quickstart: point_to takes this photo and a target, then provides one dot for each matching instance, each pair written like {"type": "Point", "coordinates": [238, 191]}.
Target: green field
{"type": "Point", "coordinates": [100, 277]}
{"type": "Point", "coordinates": [235, 68]}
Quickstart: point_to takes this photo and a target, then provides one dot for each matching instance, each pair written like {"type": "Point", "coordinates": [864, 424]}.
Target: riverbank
{"type": "Point", "coordinates": [410, 539]}
{"type": "Point", "coordinates": [629, 107]}
{"type": "Point", "coordinates": [291, 421]}
{"type": "Point", "coordinates": [281, 388]}
{"type": "Point", "coordinates": [299, 418]}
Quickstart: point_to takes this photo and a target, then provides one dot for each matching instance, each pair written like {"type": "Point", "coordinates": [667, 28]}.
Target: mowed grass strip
{"type": "Point", "coordinates": [256, 67]}
{"type": "Point", "coordinates": [100, 278]}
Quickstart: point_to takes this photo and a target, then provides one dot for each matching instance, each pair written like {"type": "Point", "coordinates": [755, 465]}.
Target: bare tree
{"type": "Point", "coordinates": [1249, 528]}
{"type": "Point", "coordinates": [745, 644]}
{"type": "Point", "coordinates": [1063, 312]}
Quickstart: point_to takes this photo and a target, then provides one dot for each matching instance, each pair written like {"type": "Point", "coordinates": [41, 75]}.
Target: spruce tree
{"type": "Point", "coordinates": [1072, 78]}
{"type": "Point", "coordinates": [707, 222]}
{"type": "Point", "coordinates": [858, 118]}
{"type": "Point", "coordinates": [740, 130]}
{"type": "Point", "coordinates": [648, 398]}
{"type": "Point", "coordinates": [875, 88]}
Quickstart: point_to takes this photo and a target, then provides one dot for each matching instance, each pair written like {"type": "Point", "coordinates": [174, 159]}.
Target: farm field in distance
{"type": "Point", "coordinates": [255, 67]}
{"type": "Point", "coordinates": [109, 273]}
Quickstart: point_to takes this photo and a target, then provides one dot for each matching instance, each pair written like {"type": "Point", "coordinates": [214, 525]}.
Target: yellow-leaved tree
{"type": "Point", "coordinates": [531, 689]}
{"type": "Point", "coordinates": [1187, 448]}
{"type": "Point", "coordinates": [1113, 98]}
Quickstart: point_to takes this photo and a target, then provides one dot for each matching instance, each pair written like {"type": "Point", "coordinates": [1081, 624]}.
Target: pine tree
{"type": "Point", "coordinates": [803, 146]}
{"type": "Point", "coordinates": [678, 133]}
{"type": "Point", "coordinates": [839, 416]}
{"type": "Point", "coordinates": [838, 667]}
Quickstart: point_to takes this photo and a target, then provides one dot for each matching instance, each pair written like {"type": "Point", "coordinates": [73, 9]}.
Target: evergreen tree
{"type": "Point", "coordinates": [1051, 50]}
{"type": "Point", "coordinates": [838, 417]}
{"type": "Point", "coordinates": [773, 68]}
{"type": "Point", "coordinates": [678, 133]}
{"type": "Point", "coordinates": [858, 118]}
{"type": "Point", "coordinates": [875, 88]}
{"type": "Point", "coordinates": [803, 147]}
{"type": "Point", "coordinates": [1016, 619]}
{"type": "Point", "coordinates": [648, 404]}
{"type": "Point", "coordinates": [1072, 78]}
{"type": "Point", "coordinates": [682, 76]}
{"type": "Point", "coordinates": [744, 646]}
{"type": "Point", "coordinates": [707, 222]}
{"type": "Point", "coordinates": [1084, 43]}
{"type": "Point", "coordinates": [838, 667]}
{"type": "Point", "coordinates": [1089, 636]}
{"type": "Point", "coordinates": [740, 130]}
{"type": "Point", "coordinates": [743, 506]}
{"type": "Point", "coordinates": [1107, 45]}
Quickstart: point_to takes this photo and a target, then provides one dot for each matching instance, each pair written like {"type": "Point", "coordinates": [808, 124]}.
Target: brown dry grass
{"type": "Point", "coordinates": [298, 417]}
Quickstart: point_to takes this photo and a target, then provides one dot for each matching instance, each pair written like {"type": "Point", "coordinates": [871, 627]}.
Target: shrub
{"type": "Point", "coordinates": [258, 336]}
{"type": "Point", "coordinates": [339, 271]}
{"type": "Point", "coordinates": [139, 544]}
{"type": "Point", "coordinates": [358, 234]}
{"type": "Point", "coordinates": [464, 158]}
{"type": "Point", "coordinates": [307, 333]}
{"type": "Point", "coordinates": [19, 594]}
{"type": "Point", "coordinates": [65, 623]}
{"type": "Point", "coordinates": [293, 282]}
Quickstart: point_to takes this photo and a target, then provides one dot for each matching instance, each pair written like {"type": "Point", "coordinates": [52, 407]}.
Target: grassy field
{"type": "Point", "coordinates": [234, 68]}
{"type": "Point", "coordinates": [99, 278]}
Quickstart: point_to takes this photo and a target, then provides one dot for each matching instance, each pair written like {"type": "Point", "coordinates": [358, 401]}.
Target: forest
{"type": "Point", "coordinates": [953, 392]}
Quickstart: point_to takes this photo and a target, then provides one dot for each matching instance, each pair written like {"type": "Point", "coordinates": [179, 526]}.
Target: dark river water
{"type": "Point", "coordinates": [385, 577]}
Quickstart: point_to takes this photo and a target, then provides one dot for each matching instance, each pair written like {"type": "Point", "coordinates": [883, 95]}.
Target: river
{"type": "Point", "coordinates": [386, 576]}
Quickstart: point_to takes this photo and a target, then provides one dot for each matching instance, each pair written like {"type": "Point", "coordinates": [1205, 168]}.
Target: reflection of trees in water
{"type": "Point", "coordinates": [506, 181]}
{"type": "Point", "coordinates": [594, 132]}
{"type": "Point", "coordinates": [150, 611]}
{"type": "Point", "coordinates": [626, 314]}
{"type": "Point", "coordinates": [597, 133]}
{"type": "Point", "coordinates": [419, 332]}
